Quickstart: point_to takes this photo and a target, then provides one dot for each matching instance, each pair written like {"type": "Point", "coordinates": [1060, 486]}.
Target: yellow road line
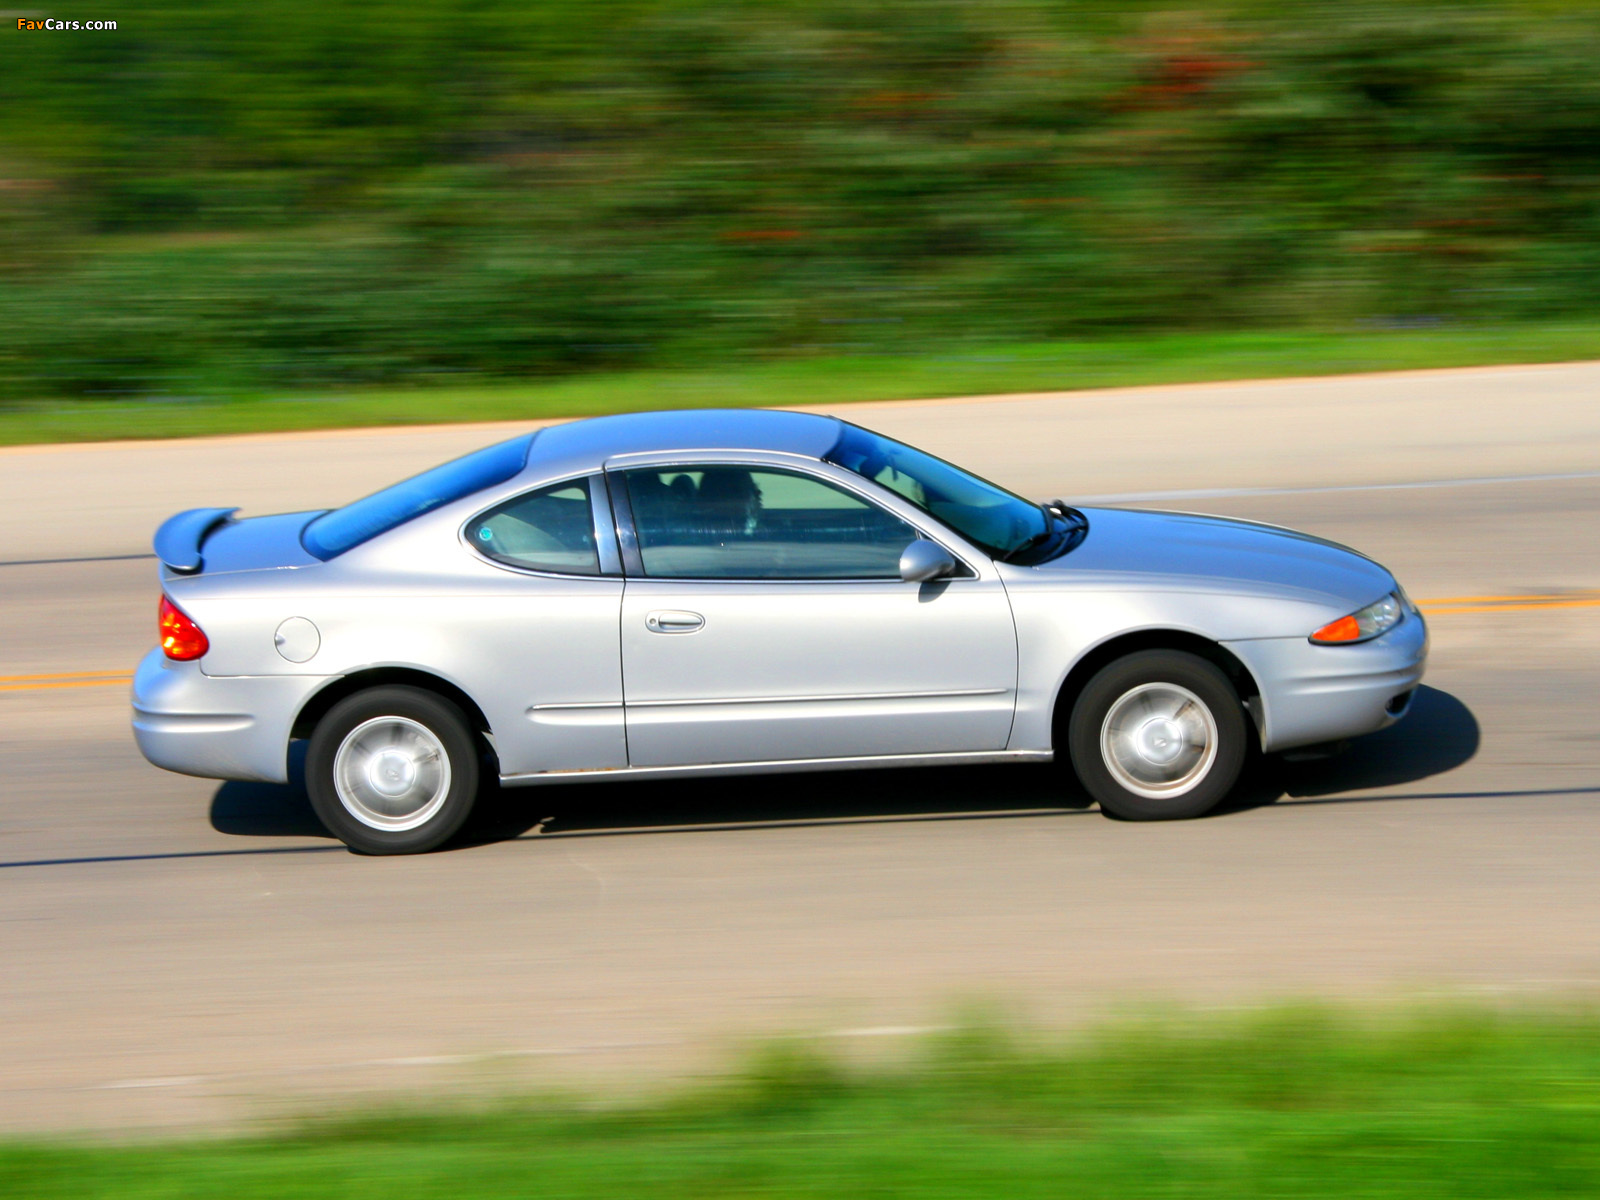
{"type": "Point", "coordinates": [1497, 608]}
{"type": "Point", "coordinates": [109, 681]}
{"type": "Point", "coordinates": [1442, 605]}
{"type": "Point", "coordinates": [1479, 601]}
{"type": "Point", "coordinates": [1575, 594]}
{"type": "Point", "coordinates": [66, 675]}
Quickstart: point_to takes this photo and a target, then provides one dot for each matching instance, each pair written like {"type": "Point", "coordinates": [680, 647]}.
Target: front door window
{"type": "Point", "coordinates": [735, 522]}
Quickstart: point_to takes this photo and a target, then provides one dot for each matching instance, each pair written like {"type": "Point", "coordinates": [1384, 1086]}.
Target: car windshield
{"type": "Point", "coordinates": [988, 516]}
{"type": "Point", "coordinates": [335, 532]}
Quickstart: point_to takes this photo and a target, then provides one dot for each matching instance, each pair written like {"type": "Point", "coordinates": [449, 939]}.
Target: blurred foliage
{"type": "Point", "coordinates": [1306, 1103]}
{"type": "Point", "coordinates": [264, 197]}
{"type": "Point", "coordinates": [1135, 360]}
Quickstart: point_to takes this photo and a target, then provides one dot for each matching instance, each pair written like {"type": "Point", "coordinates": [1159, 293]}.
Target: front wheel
{"type": "Point", "coordinates": [1158, 735]}
{"type": "Point", "coordinates": [392, 770]}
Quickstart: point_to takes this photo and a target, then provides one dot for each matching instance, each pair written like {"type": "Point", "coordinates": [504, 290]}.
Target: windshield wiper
{"type": "Point", "coordinates": [1047, 534]}
{"type": "Point", "coordinates": [1075, 527]}
{"type": "Point", "coordinates": [1032, 543]}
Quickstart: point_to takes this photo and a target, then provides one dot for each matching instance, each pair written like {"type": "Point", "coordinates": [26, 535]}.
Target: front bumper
{"type": "Point", "coordinates": [1312, 693]}
{"type": "Point", "coordinates": [217, 727]}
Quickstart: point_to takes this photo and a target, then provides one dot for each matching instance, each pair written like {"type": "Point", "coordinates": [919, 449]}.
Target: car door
{"type": "Point", "coordinates": [764, 619]}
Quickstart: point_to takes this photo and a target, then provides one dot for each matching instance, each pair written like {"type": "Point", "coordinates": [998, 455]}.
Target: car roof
{"type": "Point", "coordinates": [586, 445]}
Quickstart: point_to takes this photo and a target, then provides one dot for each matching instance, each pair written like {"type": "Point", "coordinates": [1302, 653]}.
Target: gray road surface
{"type": "Point", "coordinates": [184, 952]}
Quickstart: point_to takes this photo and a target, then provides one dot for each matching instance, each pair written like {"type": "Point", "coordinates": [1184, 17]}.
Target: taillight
{"type": "Point", "coordinates": [181, 638]}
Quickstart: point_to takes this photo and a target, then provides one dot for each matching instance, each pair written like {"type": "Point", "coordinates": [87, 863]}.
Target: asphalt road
{"type": "Point", "coordinates": [178, 951]}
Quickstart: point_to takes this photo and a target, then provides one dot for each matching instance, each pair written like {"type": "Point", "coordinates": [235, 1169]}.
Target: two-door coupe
{"type": "Point", "coordinates": [668, 594]}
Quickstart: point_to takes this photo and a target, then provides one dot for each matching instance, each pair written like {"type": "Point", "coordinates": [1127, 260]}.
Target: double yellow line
{"type": "Point", "coordinates": [1445, 605]}
{"type": "Point", "coordinates": [1440, 606]}
{"type": "Point", "coordinates": [80, 679]}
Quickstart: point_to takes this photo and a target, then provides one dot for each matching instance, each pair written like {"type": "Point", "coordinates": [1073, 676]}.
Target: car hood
{"type": "Point", "coordinates": [1218, 554]}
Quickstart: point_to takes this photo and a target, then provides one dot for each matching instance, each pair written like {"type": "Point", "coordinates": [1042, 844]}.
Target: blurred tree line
{"type": "Point", "coordinates": [279, 194]}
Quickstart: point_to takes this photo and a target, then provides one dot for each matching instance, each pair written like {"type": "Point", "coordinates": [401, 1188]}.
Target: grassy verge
{"type": "Point", "coordinates": [1150, 359]}
{"type": "Point", "coordinates": [1294, 1103]}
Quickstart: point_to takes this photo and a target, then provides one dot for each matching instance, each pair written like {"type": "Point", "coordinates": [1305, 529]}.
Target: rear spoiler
{"type": "Point", "coordinates": [180, 537]}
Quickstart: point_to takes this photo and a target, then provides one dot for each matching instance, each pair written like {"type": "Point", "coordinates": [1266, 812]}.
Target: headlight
{"type": "Point", "coordinates": [1363, 625]}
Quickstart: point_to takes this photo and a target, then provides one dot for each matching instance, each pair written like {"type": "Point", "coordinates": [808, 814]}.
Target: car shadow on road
{"type": "Point", "coordinates": [268, 809]}
{"type": "Point", "coordinates": [1438, 735]}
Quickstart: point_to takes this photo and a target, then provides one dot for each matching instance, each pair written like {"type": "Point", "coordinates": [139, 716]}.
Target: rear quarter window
{"type": "Point", "coordinates": [551, 529]}
{"type": "Point", "coordinates": [334, 532]}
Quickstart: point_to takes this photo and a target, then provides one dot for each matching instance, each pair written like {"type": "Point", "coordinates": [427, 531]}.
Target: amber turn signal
{"type": "Point", "coordinates": [1362, 625]}
{"type": "Point", "coordinates": [1345, 629]}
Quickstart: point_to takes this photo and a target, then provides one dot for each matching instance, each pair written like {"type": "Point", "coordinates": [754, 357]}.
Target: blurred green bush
{"type": "Point", "coordinates": [1307, 1103]}
{"type": "Point", "coordinates": [266, 197]}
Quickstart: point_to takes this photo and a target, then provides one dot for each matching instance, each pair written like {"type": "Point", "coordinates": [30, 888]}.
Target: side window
{"type": "Point", "coordinates": [729, 522]}
{"type": "Point", "coordinates": [548, 530]}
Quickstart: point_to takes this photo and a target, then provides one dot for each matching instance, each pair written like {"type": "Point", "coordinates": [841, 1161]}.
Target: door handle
{"type": "Point", "coordinates": [668, 620]}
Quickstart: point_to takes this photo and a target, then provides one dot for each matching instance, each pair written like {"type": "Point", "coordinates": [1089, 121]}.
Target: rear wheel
{"type": "Point", "coordinates": [1158, 735]}
{"type": "Point", "coordinates": [392, 770]}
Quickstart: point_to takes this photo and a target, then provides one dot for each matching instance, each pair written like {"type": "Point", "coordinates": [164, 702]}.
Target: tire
{"type": "Point", "coordinates": [392, 770]}
{"type": "Point", "coordinates": [1158, 736]}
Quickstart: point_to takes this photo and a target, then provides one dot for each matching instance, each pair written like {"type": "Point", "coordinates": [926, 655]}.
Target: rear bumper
{"type": "Point", "coordinates": [1312, 693]}
{"type": "Point", "coordinates": [217, 727]}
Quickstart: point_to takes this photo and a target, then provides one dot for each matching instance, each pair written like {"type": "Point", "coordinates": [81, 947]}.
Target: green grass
{"type": "Point", "coordinates": [1150, 359]}
{"type": "Point", "coordinates": [1300, 1103]}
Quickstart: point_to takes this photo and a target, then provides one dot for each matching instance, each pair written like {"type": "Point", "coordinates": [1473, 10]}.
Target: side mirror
{"type": "Point", "coordinates": [924, 560]}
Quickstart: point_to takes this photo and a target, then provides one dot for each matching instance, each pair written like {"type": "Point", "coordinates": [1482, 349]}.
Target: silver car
{"type": "Point", "coordinates": [669, 594]}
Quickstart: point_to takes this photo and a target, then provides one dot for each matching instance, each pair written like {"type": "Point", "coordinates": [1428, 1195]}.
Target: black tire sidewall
{"type": "Point", "coordinates": [1111, 682]}
{"type": "Point", "coordinates": [447, 723]}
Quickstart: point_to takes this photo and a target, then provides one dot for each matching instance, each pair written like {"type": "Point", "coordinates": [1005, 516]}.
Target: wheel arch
{"type": "Point", "coordinates": [321, 701]}
{"type": "Point", "coordinates": [1108, 651]}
